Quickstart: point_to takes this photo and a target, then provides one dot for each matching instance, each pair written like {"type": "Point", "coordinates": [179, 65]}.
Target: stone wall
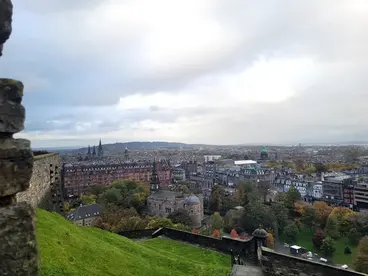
{"type": "Point", "coordinates": [137, 234]}
{"type": "Point", "coordinates": [274, 263]}
{"type": "Point", "coordinates": [40, 183]}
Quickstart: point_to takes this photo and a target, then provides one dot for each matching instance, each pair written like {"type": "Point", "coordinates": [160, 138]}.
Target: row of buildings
{"type": "Point", "coordinates": [336, 188]}
{"type": "Point", "coordinates": [78, 178]}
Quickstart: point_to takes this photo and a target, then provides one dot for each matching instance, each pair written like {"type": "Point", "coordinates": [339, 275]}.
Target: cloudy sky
{"type": "Point", "coordinates": [195, 71]}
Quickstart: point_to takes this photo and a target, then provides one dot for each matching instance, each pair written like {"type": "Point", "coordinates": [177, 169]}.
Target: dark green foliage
{"type": "Point", "coordinates": [332, 228]}
{"type": "Point", "coordinates": [347, 250]}
{"type": "Point", "coordinates": [291, 232]}
{"type": "Point", "coordinates": [361, 260]}
{"type": "Point", "coordinates": [328, 246]}
{"type": "Point", "coordinates": [181, 216]}
{"type": "Point", "coordinates": [281, 215]}
{"type": "Point", "coordinates": [354, 236]}
{"type": "Point", "coordinates": [256, 214]}
{"type": "Point", "coordinates": [309, 217]}
{"type": "Point", "coordinates": [215, 199]}
{"type": "Point", "coordinates": [291, 196]}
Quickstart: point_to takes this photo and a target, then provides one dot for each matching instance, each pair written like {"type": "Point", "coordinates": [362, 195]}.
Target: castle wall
{"type": "Point", "coordinates": [40, 182]}
{"type": "Point", "coordinates": [274, 263]}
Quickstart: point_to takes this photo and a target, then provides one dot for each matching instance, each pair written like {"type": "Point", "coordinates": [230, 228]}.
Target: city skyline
{"type": "Point", "coordinates": [198, 72]}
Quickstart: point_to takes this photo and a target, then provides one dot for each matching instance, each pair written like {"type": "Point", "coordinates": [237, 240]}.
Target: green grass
{"type": "Point", "coordinates": [66, 249]}
{"type": "Point", "coordinates": [304, 239]}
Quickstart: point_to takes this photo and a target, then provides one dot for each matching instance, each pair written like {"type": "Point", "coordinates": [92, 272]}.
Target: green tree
{"type": "Point", "coordinates": [88, 199]}
{"type": "Point", "coordinates": [308, 217]}
{"type": "Point", "coordinates": [157, 222]}
{"type": "Point", "coordinates": [361, 259]}
{"type": "Point", "coordinates": [215, 199]}
{"type": "Point", "coordinates": [328, 246]}
{"type": "Point", "coordinates": [292, 195]}
{"type": "Point", "coordinates": [216, 222]}
{"type": "Point", "coordinates": [332, 227]}
{"type": "Point", "coordinates": [347, 250]}
{"type": "Point", "coordinates": [281, 215]}
{"type": "Point", "coordinates": [181, 216]}
{"type": "Point", "coordinates": [113, 196]}
{"type": "Point", "coordinates": [291, 232]}
{"type": "Point", "coordinates": [354, 236]}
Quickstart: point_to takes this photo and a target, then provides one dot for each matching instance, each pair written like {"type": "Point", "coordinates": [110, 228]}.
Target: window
{"type": "Point", "coordinates": [168, 210]}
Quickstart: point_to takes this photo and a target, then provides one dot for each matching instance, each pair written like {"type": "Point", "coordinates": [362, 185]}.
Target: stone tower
{"type": "Point", "coordinates": [18, 249]}
{"type": "Point", "coordinates": [155, 181]}
{"type": "Point", "coordinates": [126, 154]}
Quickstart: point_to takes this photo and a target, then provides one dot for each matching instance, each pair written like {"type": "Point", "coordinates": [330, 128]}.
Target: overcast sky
{"type": "Point", "coordinates": [195, 71]}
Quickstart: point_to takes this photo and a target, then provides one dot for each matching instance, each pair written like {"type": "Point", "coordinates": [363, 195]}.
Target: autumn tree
{"type": "Point", "coordinates": [318, 238]}
{"type": "Point", "coordinates": [343, 217]}
{"type": "Point", "coordinates": [361, 259]}
{"type": "Point", "coordinates": [234, 234]}
{"type": "Point", "coordinates": [270, 240]}
{"type": "Point", "coordinates": [328, 246]}
{"type": "Point", "coordinates": [157, 222]}
{"type": "Point", "coordinates": [323, 210]}
{"type": "Point", "coordinates": [216, 234]}
{"type": "Point", "coordinates": [216, 221]}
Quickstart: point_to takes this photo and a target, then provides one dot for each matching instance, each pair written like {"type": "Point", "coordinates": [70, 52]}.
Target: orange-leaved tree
{"type": "Point", "coordinates": [216, 234]}
{"type": "Point", "coordinates": [270, 240]}
{"type": "Point", "coordinates": [234, 234]}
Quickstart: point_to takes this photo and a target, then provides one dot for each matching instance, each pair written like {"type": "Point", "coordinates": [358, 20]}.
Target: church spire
{"type": "Point", "coordinates": [94, 151]}
{"type": "Point", "coordinates": [100, 150]}
{"type": "Point", "coordinates": [89, 151]}
{"type": "Point", "coordinates": [155, 181]}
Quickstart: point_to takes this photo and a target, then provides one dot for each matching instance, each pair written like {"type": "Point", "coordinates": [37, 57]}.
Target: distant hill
{"type": "Point", "coordinates": [69, 250]}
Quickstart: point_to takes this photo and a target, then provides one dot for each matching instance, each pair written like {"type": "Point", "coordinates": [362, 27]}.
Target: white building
{"type": "Point", "coordinates": [209, 158]}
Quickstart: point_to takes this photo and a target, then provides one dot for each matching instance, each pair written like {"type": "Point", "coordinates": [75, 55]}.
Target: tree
{"type": "Point", "coordinates": [328, 246]}
{"type": "Point", "coordinates": [292, 195]}
{"type": "Point", "coordinates": [281, 215]}
{"type": "Point", "coordinates": [157, 222]}
{"type": "Point", "coordinates": [318, 238]}
{"type": "Point", "coordinates": [332, 227]}
{"type": "Point", "coordinates": [291, 232]}
{"type": "Point", "coordinates": [215, 199]}
{"type": "Point", "coordinates": [181, 216]}
{"type": "Point", "coordinates": [97, 190]}
{"type": "Point", "coordinates": [320, 167]}
{"type": "Point", "coordinates": [347, 250]}
{"type": "Point", "coordinates": [256, 214]}
{"type": "Point", "coordinates": [232, 219]}
{"type": "Point", "coordinates": [361, 259]}
{"type": "Point", "coordinates": [343, 216]}
{"type": "Point", "coordinates": [216, 221]}
{"type": "Point", "coordinates": [322, 212]}
{"type": "Point", "coordinates": [244, 193]}
{"type": "Point", "coordinates": [234, 234]}
{"type": "Point", "coordinates": [308, 217]}
{"type": "Point", "coordinates": [270, 241]}
{"type": "Point", "coordinates": [113, 196]}
{"type": "Point", "coordinates": [216, 234]}
{"type": "Point", "coordinates": [354, 236]}
{"type": "Point", "coordinates": [264, 189]}
{"type": "Point", "coordinates": [88, 199]}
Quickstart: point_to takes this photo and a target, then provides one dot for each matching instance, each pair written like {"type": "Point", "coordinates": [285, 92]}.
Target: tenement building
{"type": "Point", "coordinates": [162, 202]}
{"type": "Point", "coordinates": [77, 178]}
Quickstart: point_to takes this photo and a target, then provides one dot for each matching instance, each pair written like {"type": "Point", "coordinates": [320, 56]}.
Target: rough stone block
{"type": "Point", "coordinates": [12, 112]}
{"type": "Point", "coordinates": [16, 164]}
{"type": "Point", "coordinates": [18, 249]}
{"type": "Point", "coordinates": [6, 12]}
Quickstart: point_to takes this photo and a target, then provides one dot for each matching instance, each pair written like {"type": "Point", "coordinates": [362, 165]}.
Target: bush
{"type": "Point", "coordinates": [347, 250]}
{"type": "Point", "coordinates": [290, 232]}
{"type": "Point", "coordinates": [328, 246]}
{"type": "Point", "coordinates": [318, 238]}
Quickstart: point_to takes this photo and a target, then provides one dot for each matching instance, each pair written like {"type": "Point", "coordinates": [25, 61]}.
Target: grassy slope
{"type": "Point", "coordinates": [304, 239]}
{"type": "Point", "coordinates": [66, 250]}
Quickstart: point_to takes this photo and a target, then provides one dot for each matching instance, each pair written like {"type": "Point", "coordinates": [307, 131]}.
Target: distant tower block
{"type": "Point", "coordinates": [126, 154]}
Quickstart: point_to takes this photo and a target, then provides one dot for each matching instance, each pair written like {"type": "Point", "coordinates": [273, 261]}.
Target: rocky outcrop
{"type": "Point", "coordinates": [18, 250]}
{"type": "Point", "coordinates": [6, 12]}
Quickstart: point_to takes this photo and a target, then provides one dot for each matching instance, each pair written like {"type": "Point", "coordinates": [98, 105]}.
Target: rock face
{"type": "Point", "coordinates": [6, 12]}
{"type": "Point", "coordinates": [18, 250]}
{"type": "Point", "coordinates": [17, 241]}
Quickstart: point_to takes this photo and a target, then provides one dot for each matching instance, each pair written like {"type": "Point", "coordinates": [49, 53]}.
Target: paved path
{"type": "Point", "coordinates": [245, 270]}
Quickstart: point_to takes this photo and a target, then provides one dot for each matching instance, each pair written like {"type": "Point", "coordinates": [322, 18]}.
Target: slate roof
{"type": "Point", "coordinates": [87, 211]}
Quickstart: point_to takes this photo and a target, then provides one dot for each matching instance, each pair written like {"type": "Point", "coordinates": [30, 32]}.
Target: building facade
{"type": "Point", "coordinates": [77, 179]}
